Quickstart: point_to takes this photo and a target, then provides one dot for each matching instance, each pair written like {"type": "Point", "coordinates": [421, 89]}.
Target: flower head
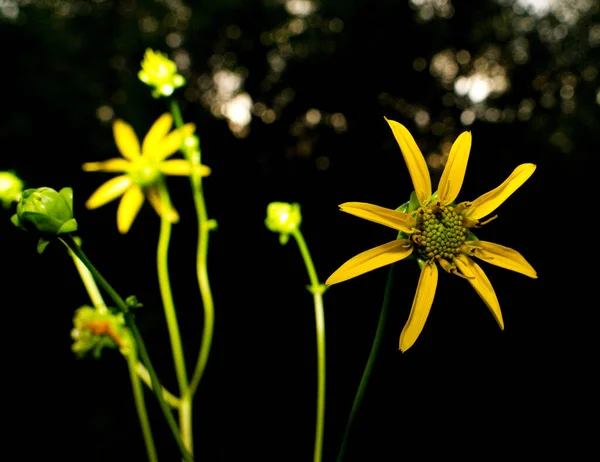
{"type": "Point", "coordinates": [143, 170]}
{"type": "Point", "coordinates": [11, 187]}
{"type": "Point", "coordinates": [160, 72]}
{"type": "Point", "coordinates": [93, 330]}
{"type": "Point", "coordinates": [283, 218]}
{"type": "Point", "coordinates": [434, 229]}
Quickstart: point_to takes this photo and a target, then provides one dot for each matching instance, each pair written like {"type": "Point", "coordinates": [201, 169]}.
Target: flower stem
{"type": "Point", "coordinates": [370, 362]}
{"type": "Point", "coordinates": [204, 227]}
{"type": "Point", "coordinates": [162, 264]}
{"type": "Point", "coordinates": [141, 347]}
{"type": "Point", "coordinates": [140, 404]}
{"type": "Point", "coordinates": [317, 290]}
{"type": "Point", "coordinates": [89, 283]}
{"type": "Point", "coordinates": [143, 374]}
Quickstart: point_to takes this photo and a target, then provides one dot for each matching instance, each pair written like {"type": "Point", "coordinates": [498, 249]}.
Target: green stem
{"type": "Point", "coordinates": [142, 372]}
{"type": "Point", "coordinates": [140, 404]}
{"type": "Point", "coordinates": [162, 264]}
{"type": "Point", "coordinates": [370, 362]}
{"type": "Point", "coordinates": [317, 290]}
{"type": "Point", "coordinates": [89, 283]}
{"type": "Point", "coordinates": [128, 316]}
{"type": "Point", "coordinates": [204, 227]}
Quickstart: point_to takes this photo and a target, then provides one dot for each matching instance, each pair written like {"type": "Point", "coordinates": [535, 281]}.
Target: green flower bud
{"type": "Point", "coordinates": [94, 329]}
{"type": "Point", "coordinates": [283, 218]}
{"type": "Point", "coordinates": [46, 210]}
{"type": "Point", "coordinates": [11, 188]}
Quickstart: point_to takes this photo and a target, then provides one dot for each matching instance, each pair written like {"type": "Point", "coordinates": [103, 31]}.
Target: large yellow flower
{"type": "Point", "coordinates": [143, 169]}
{"type": "Point", "coordinates": [433, 229]}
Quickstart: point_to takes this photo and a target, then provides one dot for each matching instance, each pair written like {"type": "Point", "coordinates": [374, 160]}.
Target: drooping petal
{"type": "Point", "coordinates": [387, 217]}
{"type": "Point", "coordinates": [421, 306]}
{"type": "Point", "coordinates": [490, 201]}
{"type": "Point", "coordinates": [117, 164]}
{"type": "Point", "coordinates": [170, 144]}
{"type": "Point", "coordinates": [130, 205]}
{"type": "Point", "coordinates": [456, 166]}
{"type": "Point", "coordinates": [501, 256]}
{"type": "Point", "coordinates": [162, 207]}
{"type": "Point", "coordinates": [182, 167]}
{"type": "Point", "coordinates": [157, 132]}
{"type": "Point", "coordinates": [108, 191]}
{"type": "Point", "coordinates": [126, 140]}
{"type": "Point", "coordinates": [371, 259]}
{"type": "Point", "coordinates": [415, 162]}
{"type": "Point", "coordinates": [481, 284]}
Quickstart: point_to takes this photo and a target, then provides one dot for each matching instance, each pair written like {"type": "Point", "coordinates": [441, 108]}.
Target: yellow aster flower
{"type": "Point", "coordinates": [433, 229]}
{"type": "Point", "coordinates": [160, 72]}
{"type": "Point", "coordinates": [144, 169]}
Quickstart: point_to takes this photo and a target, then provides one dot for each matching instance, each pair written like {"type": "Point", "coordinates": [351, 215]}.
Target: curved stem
{"type": "Point", "coordinates": [162, 264]}
{"type": "Point", "coordinates": [140, 404]}
{"type": "Point", "coordinates": [128, 316]}
{"type": "Point", "coordinates": [370, 362]}
{"type": "Point", "coordinates": [317, 290]}
{"type": "Point", "coordinates": [142, 372]}
{"type": "Point", "coordinates": [204, 227]}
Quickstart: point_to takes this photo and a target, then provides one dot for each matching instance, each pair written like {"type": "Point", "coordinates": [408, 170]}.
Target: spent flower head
{"type": "Point", "coordinates": [143, 170]}
{"type": "Point", "coordinates": [94, 330]}
{"type": "Point", "coordinates": [283, 218]}
{"type": "Point", "coordinates": [160, 72]}
{"type": "Point", "coordinates": [11, 187]}
{"type": "Point", "coordinates": [434, 229]}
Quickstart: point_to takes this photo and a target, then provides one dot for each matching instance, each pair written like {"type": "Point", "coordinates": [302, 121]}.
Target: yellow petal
{"type": "Point", "coordinates": [157, 132]}
{"type": "Point", "coordinates": [486, 204]}
{"type": "Point", "coordinates": [387, 217]}
{"type": "Point", "coordinates": [130, 205]}
{"type": "Point", "coordinates": [420, 307]}
{"type": "Point", "coordinates": [171, 143]}
{"type": "Point", "coordinates": [182, 167]}
{"type": "Point", "coordinates": [117, 164]}
{"type": "Point", "coordinates": [454, 172]}
{"type": "Point", "coordinates": [126, 140]}
{"type": "Point", "coordinates": [369, 260]}
{"type": "Point", "coordinates": [501, 256]}
{"type": "Point", "coordinates": [157, 203]}
{"type": "Point", "coordinates": [110, 190]}
{"type": "Point", "coordinates": [481, 284]}
{"type": "Point", "coordinates": [415, 162]}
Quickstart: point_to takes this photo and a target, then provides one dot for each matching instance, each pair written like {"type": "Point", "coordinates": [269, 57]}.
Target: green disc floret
{"type": "Point", "coordinates": [144, 172]}
{"type": "Point", "coordinates": [440, 232]}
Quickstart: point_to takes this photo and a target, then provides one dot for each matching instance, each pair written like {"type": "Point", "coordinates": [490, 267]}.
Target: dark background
{"type": "Point", "coordinates": [465, 389]}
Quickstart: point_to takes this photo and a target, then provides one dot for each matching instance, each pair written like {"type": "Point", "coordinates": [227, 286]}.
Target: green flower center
{"type": "Point", "coordinates": [441, 232]}
{"type": "Point", "coordinates": [144, 172]}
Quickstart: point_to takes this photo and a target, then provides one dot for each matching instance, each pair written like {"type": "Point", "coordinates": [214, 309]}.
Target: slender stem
{"type": "Point", "coordinates": [140, 404]}
{"type": "Point", "coordinates": [89, 283]}
{"type": "Point", "coordinates": [128, 316]}
{"type": "Point", "coordinates": [317, 290]}
{"type": "Point", "coordinates": [204, 227]}
{"type": "Point", "coordinates": [162, 264]}
{"type": "Point", "coordinates": [370, 362]}
{"type": "Point", "coordinates": [142, 372]}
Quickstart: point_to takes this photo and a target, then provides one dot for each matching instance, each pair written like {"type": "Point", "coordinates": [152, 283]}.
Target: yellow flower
{"type": "Point", "coordinates": [143, 169]}
{"type": "Point", "coordinates": [433, 229]}
{"type": "Point", "coordinates": [160, 72]}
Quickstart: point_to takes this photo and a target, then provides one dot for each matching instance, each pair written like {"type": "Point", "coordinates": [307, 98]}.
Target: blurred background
{"type": "Point", "coordinates": [289, 99]}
